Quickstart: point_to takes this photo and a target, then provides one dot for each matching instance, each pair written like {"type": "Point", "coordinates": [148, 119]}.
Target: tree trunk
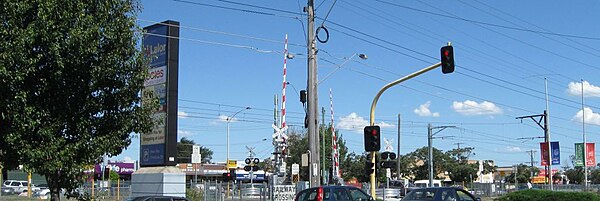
{"type": "Point", "coordinates": [53, 185]}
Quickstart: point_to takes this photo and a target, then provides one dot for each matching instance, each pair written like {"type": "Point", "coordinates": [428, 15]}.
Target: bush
{"type": "Point", "coordinates": [546, 195]}
{"type": "Point", "coordinates": [194, 194]}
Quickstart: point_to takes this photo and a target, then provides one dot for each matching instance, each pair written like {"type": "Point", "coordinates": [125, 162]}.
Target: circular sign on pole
{"type": "Point", "coordinates": [256, 161]}
{"type": "Point", "coordinates": [248, 161]}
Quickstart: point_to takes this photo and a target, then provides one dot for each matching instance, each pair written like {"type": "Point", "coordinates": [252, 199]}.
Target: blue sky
{"type": "Point", "coordinates": [231, 57]}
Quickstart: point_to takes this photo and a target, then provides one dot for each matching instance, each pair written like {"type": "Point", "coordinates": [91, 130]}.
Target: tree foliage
{"type": "Point", "coordinates": [184, 151]}
{"type": "Point", "coordinates": [70, 77]}
{"type": "Point", "coordinates": [523, 174]}
{"type": "Point", "coordinates": [298, 144]}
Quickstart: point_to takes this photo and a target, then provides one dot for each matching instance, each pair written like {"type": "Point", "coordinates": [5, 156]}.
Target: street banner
{"type": "Point", "coordinates": [544, 153]}
{"type": "Point", "coordinates": [591, 156]}
{"type": "Point", "coordinates": [555, 153]}
{"type": "Point", "coordinates": [578, 154]}
{"type": "Point", "coordinates": [554, 146]}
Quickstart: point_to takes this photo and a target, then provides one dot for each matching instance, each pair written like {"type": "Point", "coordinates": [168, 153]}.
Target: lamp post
{"type": "Point", "coordinates": [229, 118]}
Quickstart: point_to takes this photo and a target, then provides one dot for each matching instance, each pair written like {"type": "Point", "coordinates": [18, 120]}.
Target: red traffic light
{"type": "Point", "coordinates": [371, 137]}
{"type": "Point", "coordinates": [447, 59]}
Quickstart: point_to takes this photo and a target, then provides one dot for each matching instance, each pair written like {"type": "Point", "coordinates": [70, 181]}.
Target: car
{"type": "Point", "coordinates": [7, 190]}
{"type": "Point", "coordinates": [332, 193]}
{"type": "Point", "coordinates": [19, 186]}
{"type": "Point", "coordinates": [440, 194]}
{"type": "Point", "coordinates": [157, 198]}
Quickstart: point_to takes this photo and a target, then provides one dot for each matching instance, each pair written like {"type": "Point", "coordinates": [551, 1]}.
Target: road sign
{"type": "Point", "coordinates": [283, 167]}
{"type": "Point", "coordinates": [295, 169]}
{"type": "Point", "coordinates": [196, 149]}
{"type": "Point", "coordinates": [232, 164]}
{"type": "Point", "coordinates": [196, 158]}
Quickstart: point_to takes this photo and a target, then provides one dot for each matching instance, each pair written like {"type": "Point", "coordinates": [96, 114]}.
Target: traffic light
{"type": "Point", "coordinates": [447, 59]}
{"type": "Point", "coordinates": [369, 167]}
{"type": "Point", "coordinates": [388, 155]}
{"type": "Point", "coordinates": [388, 164]}
{"type": "Point", "coordinates": [226, 176]}
{"type": "Point", "coordinates": [372, 140]}
{"type": "Point", "coordinates": [232, 175]}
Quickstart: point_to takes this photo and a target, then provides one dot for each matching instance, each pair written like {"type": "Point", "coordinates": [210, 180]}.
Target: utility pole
{"type": "Point", "coordinates": [313, 123]}
{"type": "Point", "coordinates": [399, 156]}
{"type": "Point", "coordinates": [322, 131]}
{"type": "Point", "coordinates": [544, 117]}
{"type": "Point", "coordinates": [531, 153]}
{"type": "Point", "coordinates": [459, 151]}
{"type": "Point", "coordinates": [585, 169]}
{"type": "Point", "coordinates": [430, 135]}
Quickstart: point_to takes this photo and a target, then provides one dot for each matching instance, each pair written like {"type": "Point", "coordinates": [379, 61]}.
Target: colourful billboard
{"type": "Point", "coordinates": [161, 47]}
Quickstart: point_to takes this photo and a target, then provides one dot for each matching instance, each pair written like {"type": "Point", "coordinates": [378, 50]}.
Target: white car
{"type": "Point", "coordinates": [19, 186]}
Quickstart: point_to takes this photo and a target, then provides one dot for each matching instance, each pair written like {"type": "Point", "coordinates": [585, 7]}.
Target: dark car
{"type": "Point", "coordinates": [333, 193]}
{"type": "Point", "coordinates": [440, 194]}
{"type": "Point", "coordinates": [157, 198]}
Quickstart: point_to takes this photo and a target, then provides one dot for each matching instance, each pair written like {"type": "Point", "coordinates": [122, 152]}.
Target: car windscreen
{"type": "Point", "coordinates": [421, 194]}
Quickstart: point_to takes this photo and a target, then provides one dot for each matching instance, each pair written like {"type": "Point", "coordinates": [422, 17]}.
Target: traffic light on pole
{"type": "Point", "coordinates": [232, 175]}
{"type": "Point", "coordinates": [226, 176]}
{"type": "Point", "coordinates": [447, 59]}
{"type": "Point", "coordinates": [372, 140]}
{"type": "Point", "coordinates": [369, 167]}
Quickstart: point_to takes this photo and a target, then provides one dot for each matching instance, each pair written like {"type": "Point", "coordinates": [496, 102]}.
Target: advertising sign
{"type": "Point", "coordinates": [555, 153]}
{"type": "Point", "coordinates": [120, 168]}
{"type": "Point", "coordinates": [590, 156]}
{"type": "Point", "coordinates": [554, 146]}
{"type": "Point", "coordinates": [155, 44]}
{"type": "Point", "coordinates": [544, 153]}
{"type": "Point", "coordinates": [578, 154]}
{"type": "Point", "coordinates": [161, 48]}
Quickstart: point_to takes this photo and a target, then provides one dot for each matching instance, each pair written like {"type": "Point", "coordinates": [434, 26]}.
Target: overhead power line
{"type": "Point", "coordinates": [490, 24]}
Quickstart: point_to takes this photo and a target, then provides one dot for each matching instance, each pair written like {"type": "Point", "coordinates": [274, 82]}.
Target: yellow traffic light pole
{"type": "Point", "coordinates": [372, 115]}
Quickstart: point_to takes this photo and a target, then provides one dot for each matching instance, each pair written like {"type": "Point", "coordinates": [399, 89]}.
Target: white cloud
{"type": "Point", "coordinates": [358, 123]}
{"type": "Point", "coordinates": [182, 114]}
{"type": "Point", "coordinates": [424, 111]}
{"type": "Point", "coordinates": [223, 118]}
{"type": "Point", "coordinates": [513, 149]}
{"type": "Point", "coordinates": [183, 133]}
{"type": "Point", "coordinates": [352, 122]}
{"type": "Point", "coordinates": [589, 90]}
{"type": "Point", "coordinates": [128, 159]}
{"type": "Point", "coordinates": [590, 116]}
{"type": "Point", "coordinates": [471, 108]}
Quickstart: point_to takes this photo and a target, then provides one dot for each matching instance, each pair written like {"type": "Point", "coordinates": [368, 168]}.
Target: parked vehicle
{"type": "Point", "coordinates": [157, 198]}
{"type": "Point", "coordinates": [332, 193]}
{"type": "Point", "coordinates": [425, 183]}
{"type": "Point", "coordinates": [19, 186]}
{"type": "Point", "coordinates": [440, 194]}
{"type": "Point", "coordinates": [7, 190]}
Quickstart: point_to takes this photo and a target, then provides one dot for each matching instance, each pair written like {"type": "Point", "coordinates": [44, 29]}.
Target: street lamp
{"type": "Point", "coordinates": [229, 118]}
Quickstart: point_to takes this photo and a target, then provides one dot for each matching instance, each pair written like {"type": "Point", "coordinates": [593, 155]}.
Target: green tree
{"type": "Point", "coordinates": [523, 174]}
{"type": "Point", "coordinates": [298, 144]}
{"type": "Point", "coordinates": [184, 151]}
{"type": "Point", "coordinates": [113, 176]}
{"type": "Point", "coordinates": [594, 176]}
{"type": "Point", "coordinates": [70, 77]}
{"type": "Point", "coordinates": [416, 162]}
{"type": "Point", "coordinates": [575, 175]}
